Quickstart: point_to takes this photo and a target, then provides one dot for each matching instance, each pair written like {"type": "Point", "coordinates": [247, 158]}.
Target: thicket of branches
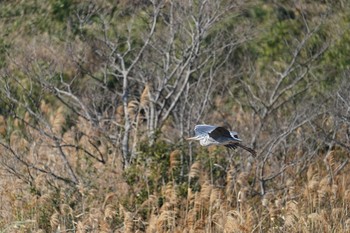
{"type": "Point", "coordinates": [96, 99]}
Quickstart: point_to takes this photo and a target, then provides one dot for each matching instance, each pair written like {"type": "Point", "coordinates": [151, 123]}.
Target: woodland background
{"type": "Point", "coordinates": [97, 97]}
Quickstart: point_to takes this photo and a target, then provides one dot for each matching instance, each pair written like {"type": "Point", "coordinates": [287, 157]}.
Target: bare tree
{"type": "Point", "coordinates": [337, 128]}
{"type": "Point", "coordinates": [283, 107]}
{"type": "Point", "coordinates": [173, 67]}
{"type": "Point", "coordinates": [117, 86]}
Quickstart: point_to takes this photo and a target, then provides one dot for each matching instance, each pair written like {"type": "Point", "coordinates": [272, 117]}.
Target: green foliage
{"type": "Point", "coordinates": [4, 47]}
{"type": "Point", "coordinates": [273, 44]}
{"type": "Point", "coordinates": [151, 166]}
{"type": "Point", "coordinates": [338, 55]}
{"type": "Point", "coordinates": [61, 9]}
{"type": "Point", "coordinates": [258, 13]}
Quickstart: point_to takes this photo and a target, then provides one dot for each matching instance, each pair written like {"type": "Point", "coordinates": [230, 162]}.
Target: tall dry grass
{"type": "Point", "coordinates": [214, 196]}
{"type": "Point", "coordinates": [162, 191]}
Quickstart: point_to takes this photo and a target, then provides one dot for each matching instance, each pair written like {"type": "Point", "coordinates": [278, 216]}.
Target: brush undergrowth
{"type": "Point", "coordinates": [163, 190]}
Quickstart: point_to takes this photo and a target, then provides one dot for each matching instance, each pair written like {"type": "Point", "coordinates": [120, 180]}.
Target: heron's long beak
{"type": "Point", "coordinates": [192, 138]}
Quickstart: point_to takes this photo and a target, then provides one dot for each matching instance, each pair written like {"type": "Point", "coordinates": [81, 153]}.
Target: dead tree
{"type": "Point", "coordinates": [283, 107]}
{"type": "Point", "coordinates": [101, 94]}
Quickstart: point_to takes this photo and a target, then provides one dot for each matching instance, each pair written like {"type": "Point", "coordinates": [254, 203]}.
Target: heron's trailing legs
{"type": "Point", "coordinates": [234, 145]}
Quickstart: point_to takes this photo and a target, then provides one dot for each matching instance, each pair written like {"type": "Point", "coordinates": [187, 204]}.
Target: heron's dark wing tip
{"type": "Point", "coordinates": [231, 146]}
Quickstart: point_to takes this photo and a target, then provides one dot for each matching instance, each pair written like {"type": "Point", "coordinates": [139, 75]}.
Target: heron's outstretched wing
{"type": "Point", "coordinates": [219, 135]}
{"type": "Point", "coordinates": [223, 136]}
{"type": "Point", "coordinates": [203, 129]}
{"type": "Point", "coordinates": [220, 132]}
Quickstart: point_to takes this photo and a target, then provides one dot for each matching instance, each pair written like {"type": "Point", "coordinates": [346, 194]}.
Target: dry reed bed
{"type": "Point", "coordinates": [310, 200]}
{"type": "Point", "coordinates": [315, 200]}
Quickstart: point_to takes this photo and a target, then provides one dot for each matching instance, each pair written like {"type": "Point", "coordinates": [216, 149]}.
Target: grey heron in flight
{"type": "Point", "coordinates": [215, 135]}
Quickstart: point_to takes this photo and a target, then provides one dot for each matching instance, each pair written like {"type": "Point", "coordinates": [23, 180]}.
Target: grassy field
{"type": "Point", "coordinates": [97, 98]}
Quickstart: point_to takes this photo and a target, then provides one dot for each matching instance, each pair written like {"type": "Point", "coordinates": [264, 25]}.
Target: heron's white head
{"type": "Point", "coordinates": [235, 136]}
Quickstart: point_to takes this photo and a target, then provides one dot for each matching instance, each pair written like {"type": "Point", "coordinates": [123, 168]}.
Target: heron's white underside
{"type": "Point", "coordinates": [207, 141]}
